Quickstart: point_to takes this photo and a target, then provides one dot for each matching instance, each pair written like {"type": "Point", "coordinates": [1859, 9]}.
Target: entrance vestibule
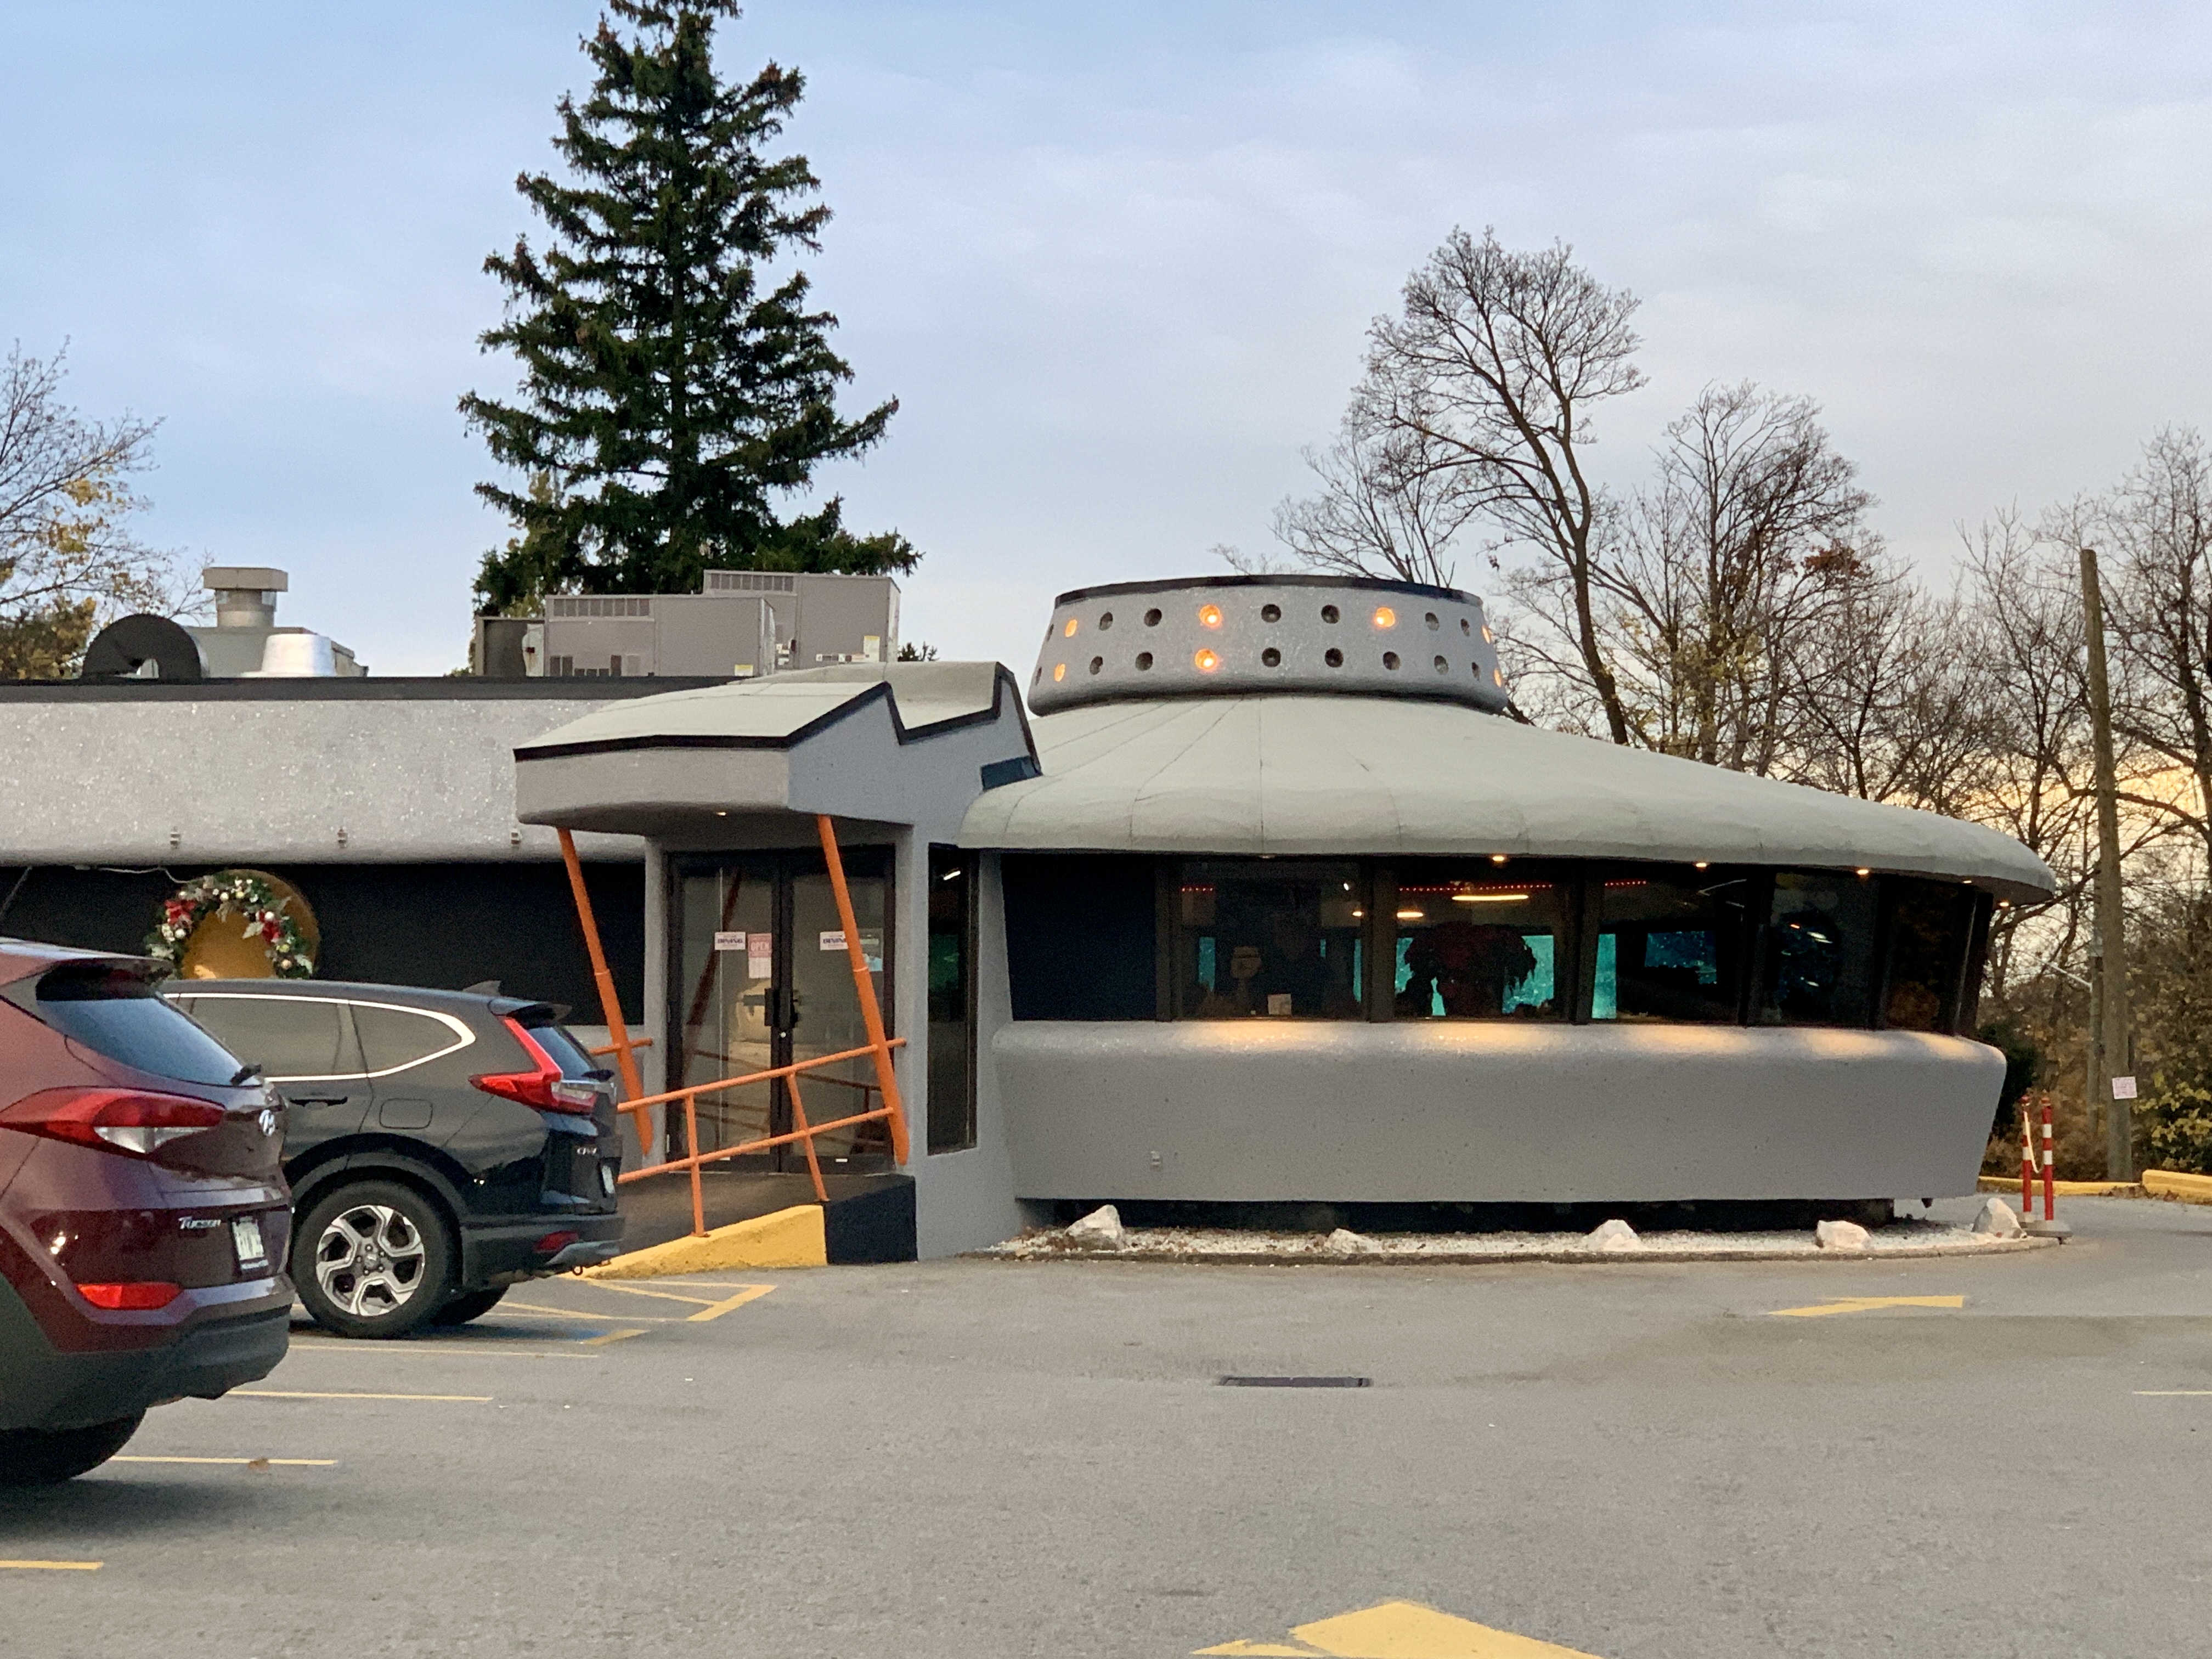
{"type": "Point", "coordinates": [762, 978]}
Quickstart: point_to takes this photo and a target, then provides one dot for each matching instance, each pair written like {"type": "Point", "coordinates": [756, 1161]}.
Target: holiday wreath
{"type": "Point", "coordinates": [244, 893]}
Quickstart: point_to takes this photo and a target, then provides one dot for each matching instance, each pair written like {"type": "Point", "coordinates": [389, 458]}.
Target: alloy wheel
{"type": "Point", "coordinates": [370, 1260]}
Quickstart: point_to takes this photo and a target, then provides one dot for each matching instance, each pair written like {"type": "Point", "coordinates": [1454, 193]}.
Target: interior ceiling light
{"type": "Point", "coordinates": [1866, 873]}
{"type": "Point", "coordinates": [1412, 915]}
{"type": "Point", "coordinates": [1497, 858]}
{"type": "Point", "coordinates": [1702, 864]}
{"type": "Point", "coordinates": [1488, 898]}
{"type": "Point", "coordinates": [1386, 617]}
{"type": "Point", "coordinates": [1209, 616]}
{"type": "Point", "coordinates": [1207, 661]}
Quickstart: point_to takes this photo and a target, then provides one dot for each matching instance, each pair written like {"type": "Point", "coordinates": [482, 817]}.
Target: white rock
{"type": "Point", "coordinates": [1840, 1236]}
{"type": "Point", "coordinates": [1612, 1236]}
{"type": "Point", "coordinates": [1345, 1242]}
{"type": "Point", "coordinates": [1099, 1231]}
{"type": "Point", "coordinates": [1997, 1220]}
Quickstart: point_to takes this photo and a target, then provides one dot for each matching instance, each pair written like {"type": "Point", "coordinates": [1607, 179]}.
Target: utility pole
{"type": "Point", "coordinates": [2111, 1041]}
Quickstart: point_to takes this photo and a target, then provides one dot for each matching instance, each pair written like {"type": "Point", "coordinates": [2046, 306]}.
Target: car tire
{"type": "Point", "coordinates": [374, 1259]}
{"type": "Point", "coordinates": [42, 1457]}
{"type": "Point", "coordinates": [460, 1308]}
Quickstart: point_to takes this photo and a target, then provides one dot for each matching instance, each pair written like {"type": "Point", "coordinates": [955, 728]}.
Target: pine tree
{"type": "Point", "coordinates": [669, 401]}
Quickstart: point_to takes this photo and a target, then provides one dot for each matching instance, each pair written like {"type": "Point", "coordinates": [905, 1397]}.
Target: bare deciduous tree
{"type": "Point", "coordinates": [2155, 530]}
{"type": "Point", "coordinates": [1475, 405]}
{"type": "Point", "coordinates": [66, 554]}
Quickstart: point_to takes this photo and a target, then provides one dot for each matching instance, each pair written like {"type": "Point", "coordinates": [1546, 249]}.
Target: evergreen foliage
{"type": "Point", "coordinates": [670, 396]}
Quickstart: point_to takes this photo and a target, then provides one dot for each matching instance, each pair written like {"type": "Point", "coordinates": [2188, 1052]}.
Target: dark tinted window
{"type": "Point", "coordinates": [120, 1014]}
{"type": "Point", "coordinates": [952, 1000]}
{"type": "Point", "coordinates": [1079, 935]}
{"type": "Point", "coordinates": [563, 1049]}
{"type": "Point", "coordinates": [1819, 950]}
{"type": "Point", "coordinates": [289, 1037]}
{"type": "Point", "coordinates": [393, 1038]}
{"type": "Point", "coordinates": [1267, 939]}
{"type": "Point", "coordinates": [1473, 945]}
{"type": "Point", "coordinates": [1671, 944]}
{"type": "Point", "coordinates": [1931, 924]}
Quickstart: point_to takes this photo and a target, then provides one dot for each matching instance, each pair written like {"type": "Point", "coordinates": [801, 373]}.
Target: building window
{"type": "Point", "coordinates": [1080, 935]}
{"type": "Point", "coordinates": [1268, 939]}
{"type": "Point", "coordinates": [1931, 926]}
{"type": "Point", "coordinates": [1819, 953]}
{"type": "Point", "coordinates": [1671, 944]}
{"type": "Point", "coordinates": [951, 1000]}
{"type": "Point", "coordinates": [1471, 945]}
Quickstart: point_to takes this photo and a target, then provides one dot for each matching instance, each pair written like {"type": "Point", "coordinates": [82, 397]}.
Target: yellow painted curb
{"type": "Point", "coordinates": [2172, 1183]}
{"type": "Point", "coordinates": [2067, 1188]}
{"type": "Point", "coordinates": [788, 1238]}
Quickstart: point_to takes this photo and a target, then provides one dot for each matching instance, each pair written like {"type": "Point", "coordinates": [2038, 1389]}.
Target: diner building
{"type": "Point", "coordinates": [1264, 897]}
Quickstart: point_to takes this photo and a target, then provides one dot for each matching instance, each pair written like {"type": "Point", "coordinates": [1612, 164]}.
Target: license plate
{"type": "Point", "coordinates": [246, 1238]}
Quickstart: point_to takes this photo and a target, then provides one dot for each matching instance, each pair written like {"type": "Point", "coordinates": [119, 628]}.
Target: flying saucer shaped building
{"type": "Point", "coordinates": [1266, 898]}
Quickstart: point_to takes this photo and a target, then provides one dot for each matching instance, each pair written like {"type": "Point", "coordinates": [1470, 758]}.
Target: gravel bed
{"type": "Point", "coordinates": [1900, 1239]}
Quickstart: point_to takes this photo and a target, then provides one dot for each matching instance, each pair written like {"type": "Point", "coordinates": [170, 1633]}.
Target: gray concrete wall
{"type": "Point", "coordinates": [192, 780]}
{"type": "Point", "coordinates": [1483, 1112]}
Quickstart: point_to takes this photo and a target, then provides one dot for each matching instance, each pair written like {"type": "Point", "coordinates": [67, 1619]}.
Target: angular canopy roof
{"type": "Point", "coordinates": [784, 708]}
{"type": "Point", "coordinates": [1341, 775]}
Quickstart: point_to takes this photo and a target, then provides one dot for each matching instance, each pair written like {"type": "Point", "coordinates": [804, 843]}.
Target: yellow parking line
{"type": "Point", "coordinates": [749, 1293]}
{"type": "Point", "coordinates": [440, 1349]}
{"type": "Point", "coordinates": [300, 1393]}
{"type": "Point", "coordinates": [55, 1566]}
{"type": "Point", "coordinates": [601, 1341]}
{"type": "Point", "coordinates": [586, 1318]}
{"type": "Point", "coordinates": [1844, 1305]}
{"type": "Point", "coordinates": [2175, 1394]}
{"type": "Point", "coordinates": [665, 1295]}
{"type": "Point", "coordinates": [250, 1462]}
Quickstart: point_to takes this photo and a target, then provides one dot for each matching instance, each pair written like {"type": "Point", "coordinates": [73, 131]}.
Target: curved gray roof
{"type": "Point", "coordinates": [1296, 775]}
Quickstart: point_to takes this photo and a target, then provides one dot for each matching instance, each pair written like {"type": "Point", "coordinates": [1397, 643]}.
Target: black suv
{"type": "Point", "coordinates": [440, 1145]}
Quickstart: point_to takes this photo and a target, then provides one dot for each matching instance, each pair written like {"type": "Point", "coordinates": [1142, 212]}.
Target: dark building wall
{"type": "Point", "coordinates": [440, 924]}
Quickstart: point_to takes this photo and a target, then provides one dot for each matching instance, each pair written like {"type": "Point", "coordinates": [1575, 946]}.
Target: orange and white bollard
{"type": "Point", "coordinates": [2048, 1226]}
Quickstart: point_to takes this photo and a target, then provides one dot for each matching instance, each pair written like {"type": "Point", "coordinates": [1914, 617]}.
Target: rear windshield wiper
{"type": "Point", "coordinates": [246, 1074]}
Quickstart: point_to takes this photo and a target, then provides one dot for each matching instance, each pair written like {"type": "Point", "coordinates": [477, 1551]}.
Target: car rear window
{"type": "Point", "coordinates": [394, 1039]}
{"type": "Point", "coordinates": [290, 1038]}
{"type": "Point", "coordinates": [563, 1049]}
{"type": "Point", "coordinates": [118, 1012]}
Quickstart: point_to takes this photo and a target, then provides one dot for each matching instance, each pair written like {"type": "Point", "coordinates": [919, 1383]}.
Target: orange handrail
{"type": "Point", "coordinates": [879, 1045]}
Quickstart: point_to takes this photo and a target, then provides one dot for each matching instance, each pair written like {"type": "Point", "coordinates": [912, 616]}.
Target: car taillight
{"type": "Point", "coordinates": [134, 1295]}
{"type": "Point", "coordinates": [128, 1121]}
{"type": "Point", "coordinates": [545, 1088]}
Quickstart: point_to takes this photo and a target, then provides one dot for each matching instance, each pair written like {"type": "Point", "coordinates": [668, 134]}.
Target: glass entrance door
{"type": "Point", "coordinates": [762, 980]}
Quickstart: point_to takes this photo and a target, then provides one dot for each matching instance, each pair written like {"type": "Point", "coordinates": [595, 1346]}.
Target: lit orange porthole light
{"type": "Point", "coordinates": [1209, 616]}
{"type": "Point", "coordinates": [1207, 661]}
{"type": "Point", "coordinates": [1488, 638]}
{"type": "Point", "coordinates": [1386, 617]}
{"type": "Point", "coordinates": [1497, 679]}
{"type": "Point", "coordinates": [1059, 672]}
{"type": "Point", "coordinates": [1070, 629]}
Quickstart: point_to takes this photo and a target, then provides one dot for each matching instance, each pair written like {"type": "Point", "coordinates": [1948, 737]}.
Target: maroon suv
{"type": "Point", "coordinates": [144, 1215]}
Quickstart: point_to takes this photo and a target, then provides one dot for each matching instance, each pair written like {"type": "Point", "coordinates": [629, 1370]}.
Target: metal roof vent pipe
{"type": "Point", "coordinates": [245, 594]}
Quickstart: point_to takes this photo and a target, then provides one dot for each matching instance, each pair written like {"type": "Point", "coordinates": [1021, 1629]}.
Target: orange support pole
{"type": "Point", "coordinates": [610, 1005]}
{"type": "Point", "coordinates": [872, 1015]}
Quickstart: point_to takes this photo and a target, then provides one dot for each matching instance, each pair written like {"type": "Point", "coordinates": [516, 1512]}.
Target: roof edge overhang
{"type": "Point", "coordinates": [1004, 691]}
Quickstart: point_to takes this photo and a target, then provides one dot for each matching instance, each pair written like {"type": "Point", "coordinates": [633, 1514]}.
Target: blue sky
{"type": "Point", "coordinates": [1117, 262]}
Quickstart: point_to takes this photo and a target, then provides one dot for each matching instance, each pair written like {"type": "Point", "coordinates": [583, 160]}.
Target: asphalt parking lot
{"type": "Point", "coordinates": [974, 1458]}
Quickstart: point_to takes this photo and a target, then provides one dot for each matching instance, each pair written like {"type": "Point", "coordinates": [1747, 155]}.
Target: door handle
{"type": "Point", "coordinates": [317, 1100]}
